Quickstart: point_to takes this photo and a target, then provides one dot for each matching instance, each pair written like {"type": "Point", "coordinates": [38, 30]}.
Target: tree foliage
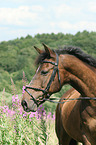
{"type": "Point", "coordinates": [19, 55]}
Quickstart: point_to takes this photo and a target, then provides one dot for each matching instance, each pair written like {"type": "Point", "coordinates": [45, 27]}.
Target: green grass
{"type": "Point", "coordinates": [20, 129]}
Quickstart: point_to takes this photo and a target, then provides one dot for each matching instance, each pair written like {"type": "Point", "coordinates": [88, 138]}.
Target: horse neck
{"type": "Point", "coordinates": [79, 75]}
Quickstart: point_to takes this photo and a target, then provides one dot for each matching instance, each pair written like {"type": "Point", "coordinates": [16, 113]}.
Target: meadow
{"type": "Point", "coordinates": [20, 128]}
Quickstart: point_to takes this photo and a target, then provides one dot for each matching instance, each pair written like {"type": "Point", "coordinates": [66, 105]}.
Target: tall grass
{"type": "Point", "coordinates": [20, 128]}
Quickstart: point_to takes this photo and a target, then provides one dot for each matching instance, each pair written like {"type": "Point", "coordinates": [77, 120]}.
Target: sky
{"type": "Point", "coordinates": [19, 18]}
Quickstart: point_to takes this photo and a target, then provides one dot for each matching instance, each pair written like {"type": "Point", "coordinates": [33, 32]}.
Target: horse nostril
{"type": "Point", "coordinates": [24, 104]}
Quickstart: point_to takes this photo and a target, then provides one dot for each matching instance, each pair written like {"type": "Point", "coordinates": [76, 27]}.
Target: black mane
{"type": "Point", "coordinates": [77, 52]}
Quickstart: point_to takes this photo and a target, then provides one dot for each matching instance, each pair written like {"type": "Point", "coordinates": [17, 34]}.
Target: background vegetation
{"type": "Point", "coordinates": [18, 56]}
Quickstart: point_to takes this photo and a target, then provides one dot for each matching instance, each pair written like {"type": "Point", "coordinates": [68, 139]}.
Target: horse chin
{"type": "Point", "coordinates": [33, 107]}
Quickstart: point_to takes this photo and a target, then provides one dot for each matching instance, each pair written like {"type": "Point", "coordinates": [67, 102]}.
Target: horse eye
{"type": "Point", "coordinates": [43, 72]}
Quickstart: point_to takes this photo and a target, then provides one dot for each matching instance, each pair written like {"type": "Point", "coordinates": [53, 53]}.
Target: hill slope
{"type": "Point", "coordinates": [18, 56]}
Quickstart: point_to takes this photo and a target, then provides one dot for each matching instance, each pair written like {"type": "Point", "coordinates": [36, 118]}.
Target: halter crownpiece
{"type": "Point", "coordinates": [45, 92]}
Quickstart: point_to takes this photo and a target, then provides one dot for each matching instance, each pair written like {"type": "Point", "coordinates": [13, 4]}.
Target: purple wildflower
{"type": "Point", "coordinates": [31, 114]}
{"type": "Point", "coordinates": [20, 109]}
{"type": "Point", "coordinates": [24, 115]}
{"type": "Point", "coordinates": [53, 117]}
{"type": "Point", "coordinates": [23, 89]}
{"type": "Point", "coordinates": [49, 115]}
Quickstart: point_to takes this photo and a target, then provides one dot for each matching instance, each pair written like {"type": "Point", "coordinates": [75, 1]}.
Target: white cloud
{"type": "Point", "coordinates": [22, 15]}
{"type": "Point", "coordinates": [37, 8]}
{"type": "Point", "coordinates": [65, 10]}
{"type": "Point", "coordinates": [68, 27]}
{"type": "Point", "coordinates": [92, 6]}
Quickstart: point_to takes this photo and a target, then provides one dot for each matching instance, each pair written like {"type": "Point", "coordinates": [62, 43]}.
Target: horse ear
{"type": "Point", "coordinates": [38, 50]}
{"type": "Point", "coordinates": [48, 50]}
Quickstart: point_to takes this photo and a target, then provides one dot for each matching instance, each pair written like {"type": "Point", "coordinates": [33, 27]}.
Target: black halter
{"type": "Point", "coordinates": [45, 92]}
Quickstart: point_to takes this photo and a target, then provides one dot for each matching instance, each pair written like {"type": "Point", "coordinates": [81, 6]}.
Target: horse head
{"type": "Point", "coordinates": [45, 82]}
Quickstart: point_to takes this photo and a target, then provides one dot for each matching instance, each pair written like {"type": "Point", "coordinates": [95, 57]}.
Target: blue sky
{"type": "Point", "coordinates": [22, 17]}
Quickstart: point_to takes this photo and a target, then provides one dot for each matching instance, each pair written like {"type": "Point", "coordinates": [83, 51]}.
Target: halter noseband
{"type": "Point", "coordinates": [45, 92]}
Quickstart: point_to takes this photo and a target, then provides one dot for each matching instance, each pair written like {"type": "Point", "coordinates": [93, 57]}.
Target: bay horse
{"type": "Point", "coordinates": [57, 68]}
{"type": "Point", "coordinates": [62, 134]}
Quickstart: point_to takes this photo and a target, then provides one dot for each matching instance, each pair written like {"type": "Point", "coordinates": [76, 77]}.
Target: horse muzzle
{"type": "Point", "coordinates": [29, 106]}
